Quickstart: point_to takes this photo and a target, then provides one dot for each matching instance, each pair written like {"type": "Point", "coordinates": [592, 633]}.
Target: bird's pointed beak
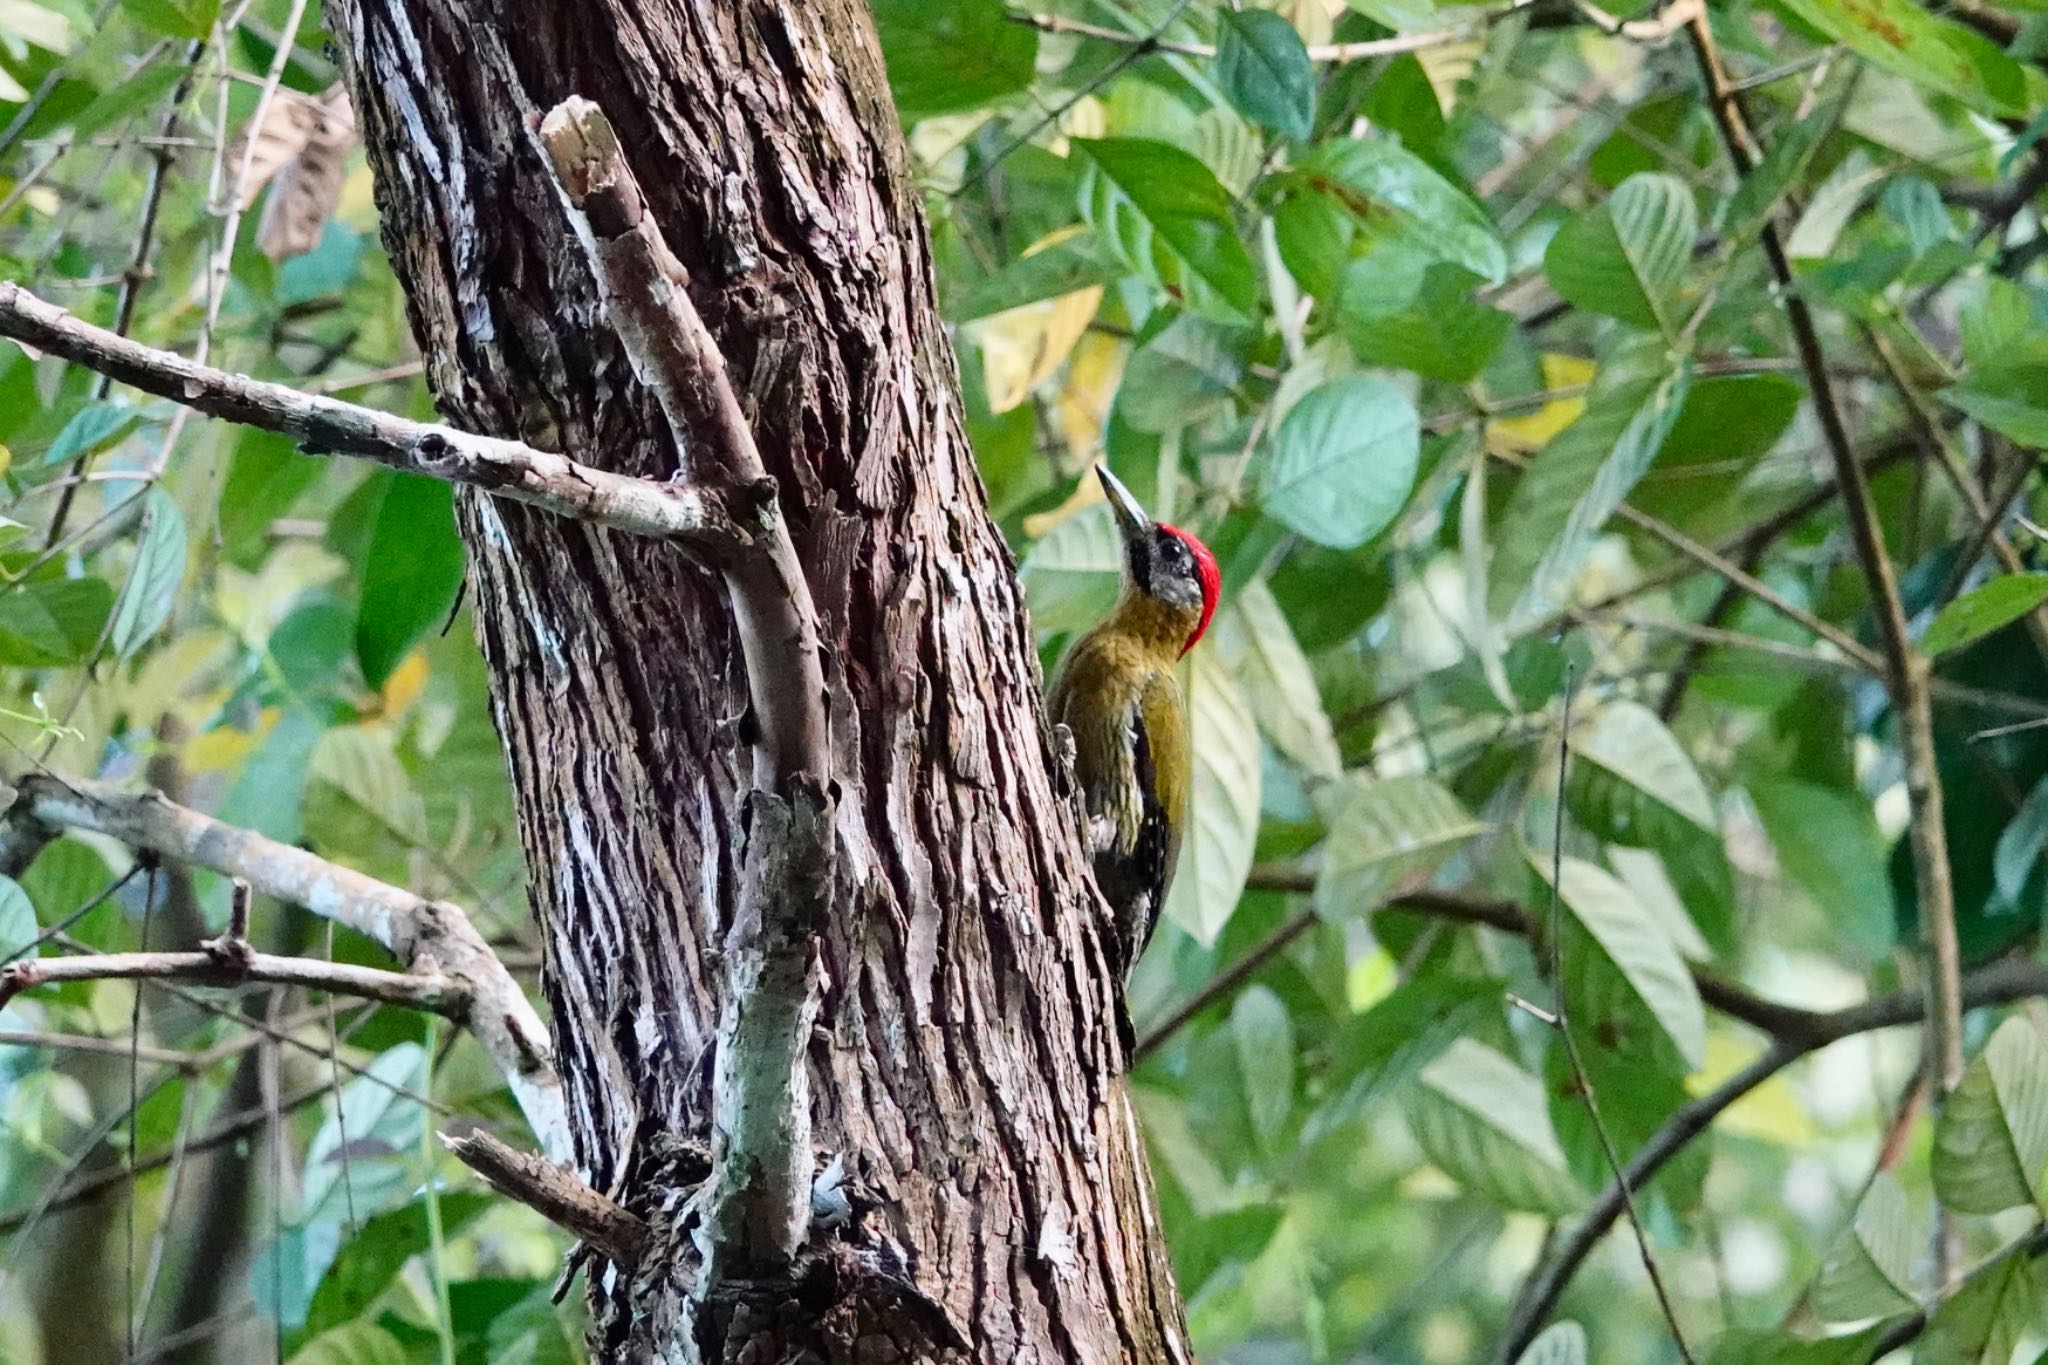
{"type": "Point", "coordinates": [1130, 517]}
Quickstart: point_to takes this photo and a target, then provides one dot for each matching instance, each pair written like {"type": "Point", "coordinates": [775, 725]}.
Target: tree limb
{"type": "Point", "coordinates": [756, 1207]}
{"type": "Point", "coordinates": [551, 1190]}
{"type": "Point", "coordinates": [434, 939]}
{"type": "Point", "coordinates": [328, 426]}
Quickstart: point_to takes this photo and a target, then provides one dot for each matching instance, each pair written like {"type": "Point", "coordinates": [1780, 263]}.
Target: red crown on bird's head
{"type": "Point", "coordinates": [1211, 577]}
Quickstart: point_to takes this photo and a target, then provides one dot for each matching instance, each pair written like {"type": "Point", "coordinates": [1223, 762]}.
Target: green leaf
{"type": "Point", "coordinates": [1387, 831]}
{"type": "Point", "coordinates": [1342, 463]}
{"type": "Point", "coordinates": [1827, 840]}
{"type": "Point", "coordinates": [1264, 1038]}
{"type": "Point", "coordinates": [1622, 936]}
{"type": "Point", "coordinates": [1182, 375]}
{"type": "Point", "coordinates": [1984, 1321]}
{"type": "Point", "coordinates": [412, 571]}
{"type": "Point", "coordinates": [155, 577]}
{"type": "Point", "coordinates": [1578, 480]}
{"type": "Point", "coordinates": [374, 1254]}
{"type": "Point", "coordinates": [1255, 640]}
{"type": "Point", "coordinates": [1062, 268]}
{"type": "Point", "coordinates": [2008, 399]}
{"type": "Point", "coordinates": [1757, 198]}
{"type": "Point", "coordinates": [1223, 816]}
{"type": "Point", "coordinates": [354, 1343]}
{"type": "Point", "coordinates": [265, 477]}
{"type": "Point", "coordinates": [174, 18]}
{"type": "Point", "coordinates": [51, 622]}
{"type": "Point", "coordinates": [1263, 67]}
{"type": "Point", "coordinates": [1070, 576]}
{"type": "Point", "coordinates": [1483, 1120]}
{"type": "Point", "coordinates": [1631, 777]}
{"type": "Point", "coordinates": [95, 427]}
{"type": "Point", "coordinates": [1442, 334]}
{"type": "Point", "coordinates": [1562, 1343]}
{"type": "Point", "coordinates": [1779, 1348]}
{"type": "Point", "coordinates": [1932, 53]}
{"type": "Point", "coordinates": [1627, 257]}
{"type": "Point", "coordinates": [1869, 1273]}
{"type": "Point", "coordinates": [1166, 216]}
{"type": "Point", "coordinates": [1388, 194]}
{"type": "Point", "coordinates": [944, 58]}
{"type": "Point", "coordinates": [1976, 614]}
{"type": "Point", "coordinates": [18, 927]}
{"type": "Point", "coordinates": [1991, 1139]}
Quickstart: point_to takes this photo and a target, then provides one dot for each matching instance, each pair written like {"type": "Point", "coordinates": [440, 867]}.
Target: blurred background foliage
{"type": "Point", "coordinates": [1450, 328]}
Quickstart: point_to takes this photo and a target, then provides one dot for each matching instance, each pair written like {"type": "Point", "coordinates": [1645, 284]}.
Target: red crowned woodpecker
{"type": "Point", "coordinates": [1117, 693]}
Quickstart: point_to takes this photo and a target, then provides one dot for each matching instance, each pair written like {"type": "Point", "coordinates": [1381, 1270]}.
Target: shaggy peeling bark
{"type": "Point", "coordinates": [963, 1066]}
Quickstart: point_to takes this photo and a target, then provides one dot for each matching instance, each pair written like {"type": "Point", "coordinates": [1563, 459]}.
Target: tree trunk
{"type": "Point", "coordinates": [966, 1060]}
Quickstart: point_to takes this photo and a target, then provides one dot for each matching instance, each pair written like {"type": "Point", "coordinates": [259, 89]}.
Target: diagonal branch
{"type": "Point", "coordinates": [757, 1203]}
{"type": "Point", "coordinates": [2001, 983]}
{"type": "Point", "coordinates": [328, 426]}
{"type": "Point", "coordinates": [434, 939]}
{"type": "Point", "coordinates": [1908, 674]}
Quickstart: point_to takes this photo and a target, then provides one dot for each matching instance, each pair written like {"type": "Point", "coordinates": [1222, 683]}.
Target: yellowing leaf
{"type": "Point", "coordinates": [1021, 347]}
{"type": "Point", "coordinates": [404, 686]}
{"type": "Point", "coordinates": [1081, 410]}
{"type": "Point", "coordinates": [1532, 431]}
{"type": "Point", "coordinates": [226, 747]}
{"type": "Point", "coordinates": [1447, 65]}
{"type": "Point", "coordinates": [1770, 1112]}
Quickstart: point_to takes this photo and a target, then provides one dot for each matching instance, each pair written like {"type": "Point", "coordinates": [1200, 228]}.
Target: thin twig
{"type": "Point", "coordinates": [1998, 984]}
{"type": "Point", "coordinates": [1581, 1079]}
{"type": "Point", "coordinates": [1907, 673]}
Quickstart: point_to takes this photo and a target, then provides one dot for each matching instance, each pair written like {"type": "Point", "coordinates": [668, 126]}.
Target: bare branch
{"type": "Point", "coordinates": [434, 939]}
{"type": "Point", "coordinates": [757, 1203]}
{"type": "Point", "coordinates": [436, 994]}
{"type": "Point", "coordinates": [2002, 983]}
{"type": "Point", "coordinates": [1908, 674]}
{"type": "Point", "coordinates": [328, 426]}
{"type": "Point", "coordinates": [552, 1191]}
{"type": "Point", "coordinates": [1334, 53]}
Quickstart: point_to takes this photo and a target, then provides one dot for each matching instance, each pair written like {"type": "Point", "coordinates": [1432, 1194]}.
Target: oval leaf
{"type": "Point", "coordinates": [1562, 1343]}
{"type": "Point", "coordinates": [1628, 938]}
{"type": "Point", "coordinates": [1170, 219]}
{"type": "Point", "coordinates": [1869, 1273]}
{"type": "Point", "coordinates": [1627, 257]}
{"type": "Point", "coordinates": [1257, 643]}
{"type": "Point", "coordinates": [1976, 614]}
{"type": "Point", "coordinates": [1342, 464]}
{"type": "Point", "coordinates": [1483, 1120]}
{"type": "Point", "coordinates": [1263, 67]}
{"type": "Point", "coordinates": [1991, 1141]}
{"type": "Point", "coordinates": [1386, 831]}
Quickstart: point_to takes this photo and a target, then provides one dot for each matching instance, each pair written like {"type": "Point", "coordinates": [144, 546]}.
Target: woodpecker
{"type": "Point", "coordinates": [1117, 694]}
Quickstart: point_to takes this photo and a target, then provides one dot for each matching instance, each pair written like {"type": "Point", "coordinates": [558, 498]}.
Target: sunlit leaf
{"type": "Point", "coordinates": [953, 56]}
{"type": "Point", "coordinates": [1562, 1343]}
{"type": "Point", "coordinates": [1256, 641]}
{"type": "Point", "coordinates": [1629, 940]}
{"type": "Point", "coordinates": [1223, 815]}
{"type": "Point", "coordinates": [1485, 1122]}
{"type": "Point", "coordinates": [1264, 1038]}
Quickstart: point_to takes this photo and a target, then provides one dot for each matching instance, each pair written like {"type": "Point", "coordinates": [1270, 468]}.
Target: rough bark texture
{"type": "Point", "coordinates": [963, 1067]}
